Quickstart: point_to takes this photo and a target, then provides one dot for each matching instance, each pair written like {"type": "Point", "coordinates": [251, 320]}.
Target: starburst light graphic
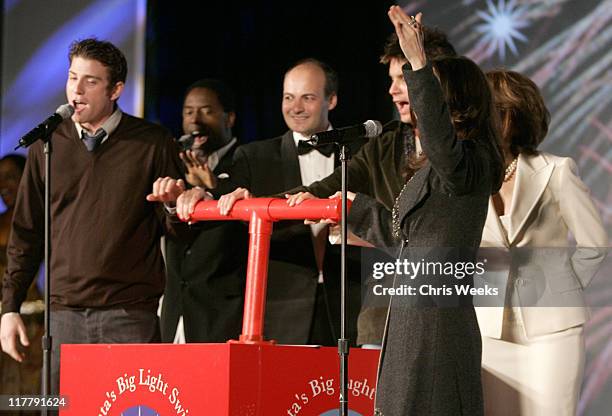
{"type": "Point", "coordinates": [501, 26]}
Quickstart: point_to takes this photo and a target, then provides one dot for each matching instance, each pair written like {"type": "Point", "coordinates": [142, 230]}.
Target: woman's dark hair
{"type": "Point", "coordinates": [523, 114]}
{"type": "Point", "coordinates": [470, 104]}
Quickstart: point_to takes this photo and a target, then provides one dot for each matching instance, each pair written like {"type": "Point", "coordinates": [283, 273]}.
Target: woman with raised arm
{"type": "Point", "coordinates": [430, 362]}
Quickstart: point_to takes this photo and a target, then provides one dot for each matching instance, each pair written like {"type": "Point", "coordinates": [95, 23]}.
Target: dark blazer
{"type": "Point", "coordinates": [377, 170]}
{"type": "Point", "coordinates": [431, 354]}
{"type": "Point", "coordinates": [270, 167]}
{"type": "Point", "coordinates": [205, 279]}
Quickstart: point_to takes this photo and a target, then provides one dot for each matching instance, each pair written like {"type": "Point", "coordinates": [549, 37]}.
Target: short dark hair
{"type": "Point", "coordinates": [523, 113]}
{"type": "Point", "coordinates": [104, 52]}
{"type": "Point", "coordinates": [17, 159]}
{"type": "Point", "coordinates": [225, 94]}
{"type": "Point", "coordinates": [435, 41]}
{"type": "Point", "coordinates": [331, 76]}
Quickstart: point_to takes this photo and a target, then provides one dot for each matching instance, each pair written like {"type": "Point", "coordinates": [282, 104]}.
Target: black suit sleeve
{"type": "Point", "coordinates": [240, 175]}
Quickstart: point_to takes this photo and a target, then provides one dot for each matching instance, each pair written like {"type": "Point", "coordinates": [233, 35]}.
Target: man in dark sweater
{"type": "Point", "coordinates": [107, 271]}
{"type": "Point", "coordinates": [382, 165]}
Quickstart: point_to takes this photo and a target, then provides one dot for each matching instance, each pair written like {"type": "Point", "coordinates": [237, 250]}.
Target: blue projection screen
{"type": "Point", "coordinates": [35, 40]}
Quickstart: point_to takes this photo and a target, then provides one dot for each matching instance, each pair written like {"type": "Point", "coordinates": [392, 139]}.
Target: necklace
{"type": "Point", "coordinates": [395, 213]}
{"type": "Point", "coordinates": [510, 170]}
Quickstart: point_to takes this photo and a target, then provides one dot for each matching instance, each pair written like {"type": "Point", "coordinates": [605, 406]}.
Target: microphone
{"type": "Point", "coordinates": [45, 128]}
{"type": "Point", "coordinates": [186, 140]}
{"type": "Point", "coordinates": [369, 129]}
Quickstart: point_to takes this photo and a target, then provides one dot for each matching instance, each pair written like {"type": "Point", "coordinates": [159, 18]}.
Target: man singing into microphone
{"type": "Point", "coordinates": [204, 296]}
{"type": "Point", "coordinates": [107, 272]}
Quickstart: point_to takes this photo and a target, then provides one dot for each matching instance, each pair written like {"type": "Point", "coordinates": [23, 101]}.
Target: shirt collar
{"type": "Point", "coordinates": [217, 155]}
{"type": "Point", "coordinates": [109, 126]}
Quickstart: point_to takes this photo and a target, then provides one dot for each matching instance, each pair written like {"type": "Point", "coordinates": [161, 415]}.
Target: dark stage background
{"type": "Point", "coordinates": [250, 45]}
{"type": "Point", "coordinates": [564, 45]}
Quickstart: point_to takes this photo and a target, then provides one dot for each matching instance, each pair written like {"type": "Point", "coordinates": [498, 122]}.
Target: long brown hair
{"type": "Point", "coordinates": [470, 104]}
{"type": "Point", "coordinates": [524, 116]}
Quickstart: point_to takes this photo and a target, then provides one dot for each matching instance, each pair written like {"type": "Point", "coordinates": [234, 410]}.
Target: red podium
{"type": "Point", "coordinates": [212, 380]}
{"type": "Point", "coordinates": [246, 377]}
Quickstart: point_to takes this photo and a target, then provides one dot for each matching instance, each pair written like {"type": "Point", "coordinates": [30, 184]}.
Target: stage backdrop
{"type": "Point", "coordinates": [565, 46]}
{"type": "Point", "coordinates": [35, 40]}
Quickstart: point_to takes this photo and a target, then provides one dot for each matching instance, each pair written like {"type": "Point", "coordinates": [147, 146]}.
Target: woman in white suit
{"type": "Point", "coordinates": [533, 349]}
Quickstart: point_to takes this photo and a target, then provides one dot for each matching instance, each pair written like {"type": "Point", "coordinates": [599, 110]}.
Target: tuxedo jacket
{"type": "Point", "coordinates": [544, 279]}
{"type": "Point", "coordinates": [270, 167]}
{"type": "Point", "coordinates": [206, 277]}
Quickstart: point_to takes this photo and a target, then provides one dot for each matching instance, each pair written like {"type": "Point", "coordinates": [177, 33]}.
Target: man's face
{"type": "Point", "coordinates": [87, 90]}
{"type": "Point", "coordinates": [10, 174]}
{"type": "Point", "coordinates": [398, 89]}
{"type": "Point", "coordinates": [203, 112]}
{"type": "Point", "coordinates": [305, 107]}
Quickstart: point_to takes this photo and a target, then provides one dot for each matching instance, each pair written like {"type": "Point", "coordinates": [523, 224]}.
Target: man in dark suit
{"type": "Point", "coordinates": [203, 300]}
{"type": "Point", "coordinates": [302, 304]}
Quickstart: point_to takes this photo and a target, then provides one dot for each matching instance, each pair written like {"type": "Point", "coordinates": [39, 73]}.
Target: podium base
{"type": "Point", "coordinates": [212, 379]}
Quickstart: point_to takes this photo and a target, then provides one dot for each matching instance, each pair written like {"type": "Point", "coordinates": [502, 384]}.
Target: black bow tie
{"type": "Point", "coordinates": [304, 148]}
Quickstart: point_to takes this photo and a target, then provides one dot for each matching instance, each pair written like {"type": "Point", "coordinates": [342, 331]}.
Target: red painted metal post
{"type": "Point", "coordinates": [261, 214]}
{"type": "Point", "coordinates": [260, 231]}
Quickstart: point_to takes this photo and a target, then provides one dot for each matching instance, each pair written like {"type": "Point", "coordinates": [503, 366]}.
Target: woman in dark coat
{"type": "Point", "coordinates": [430, 363]}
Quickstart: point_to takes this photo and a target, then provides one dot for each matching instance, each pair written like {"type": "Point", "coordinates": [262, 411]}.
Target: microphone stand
{"type": "Point", "coordinates": [47, 339]}
{"type": "Point", "coordinates": [343, 342]}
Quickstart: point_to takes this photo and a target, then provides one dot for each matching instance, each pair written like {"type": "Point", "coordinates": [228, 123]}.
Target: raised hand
{"type": "Point", "coordinates": [410, 34]}
{"type": "Point", "coordinates": [198, 171]}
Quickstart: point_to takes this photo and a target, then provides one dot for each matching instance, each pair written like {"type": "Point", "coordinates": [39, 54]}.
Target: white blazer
{"type": "Point", "coordinates": [549, 201]}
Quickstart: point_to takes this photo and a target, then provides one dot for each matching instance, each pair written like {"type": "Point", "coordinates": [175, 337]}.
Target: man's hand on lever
{"type": "Point", "coordinates": [166, 190]}
{"type": "Point", "coordinates": [296, 199]}
{"type": "Point", "coordinates": [227, 201]}
{"type": "Point", "coordinates": [186, 202]}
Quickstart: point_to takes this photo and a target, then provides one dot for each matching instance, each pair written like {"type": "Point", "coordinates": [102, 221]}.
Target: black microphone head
{"type": "Point", "coordinates": [65, 111]}
{"type": "Point", "coordinates": [373, 128]}
{"type": "Point", "coordinates": [186, 140]}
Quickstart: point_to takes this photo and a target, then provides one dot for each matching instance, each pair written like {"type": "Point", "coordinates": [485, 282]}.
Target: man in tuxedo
{"type": "Point", "coordinates": [203, 300]}
{"type": "Point", "coordinates": [302, 304]}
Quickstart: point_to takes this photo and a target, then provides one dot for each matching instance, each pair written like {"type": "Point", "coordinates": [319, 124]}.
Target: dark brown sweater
{"type": "Point", "coordinates": [105, 235]}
